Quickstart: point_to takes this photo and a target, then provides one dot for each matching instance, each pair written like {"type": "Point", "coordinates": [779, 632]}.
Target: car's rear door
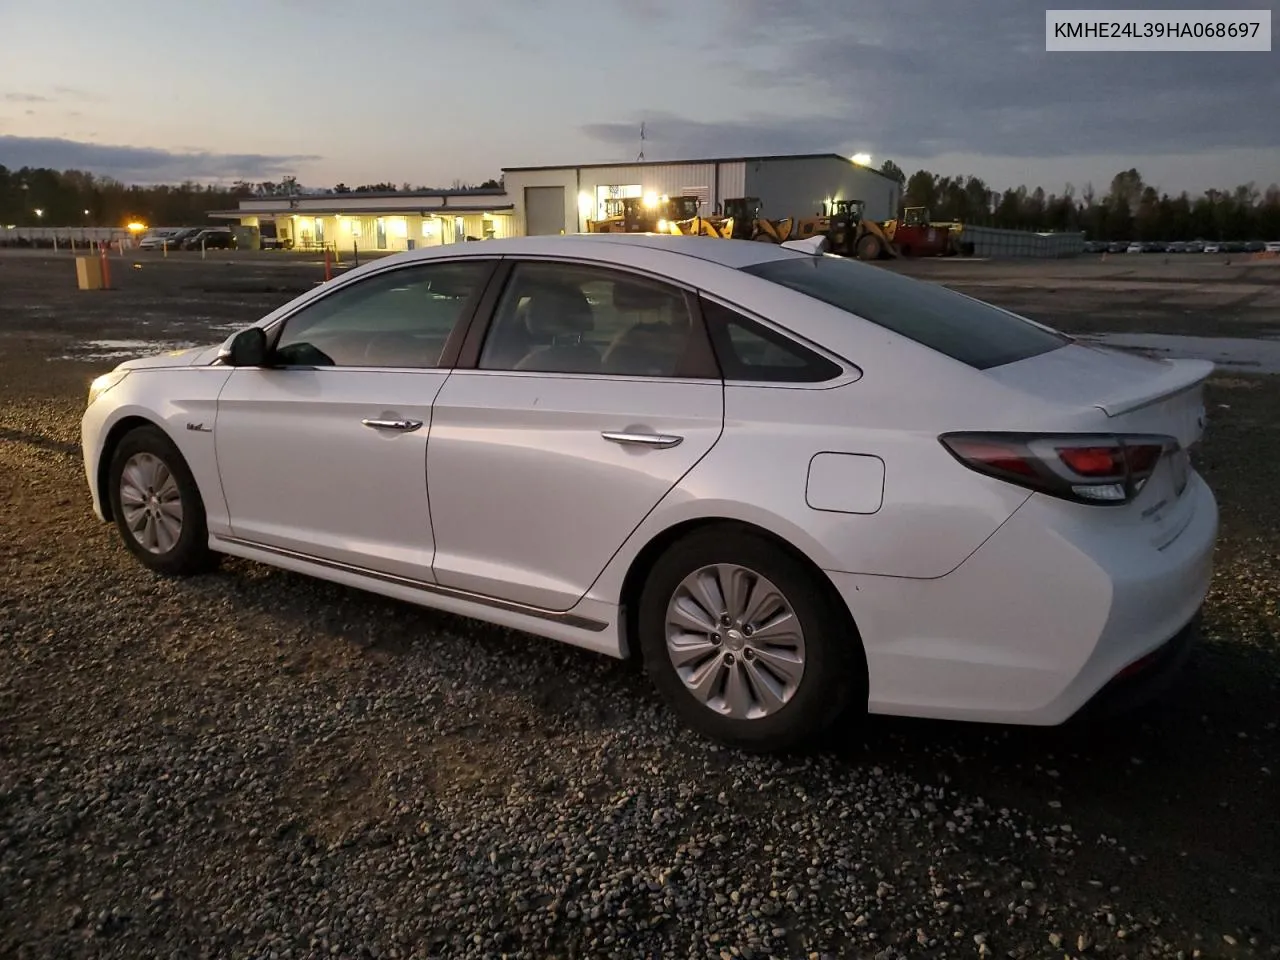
{"type": "Point", "coordinates": [569, 417]}
{"type": "Point", "coordinates": [324, 454]}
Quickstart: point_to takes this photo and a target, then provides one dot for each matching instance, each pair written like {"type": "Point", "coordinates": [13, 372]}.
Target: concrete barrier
{"type": "Point", "coordinates": [997, 243]}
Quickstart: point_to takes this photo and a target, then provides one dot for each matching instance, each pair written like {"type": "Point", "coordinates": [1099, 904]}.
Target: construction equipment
{"type": "Point", "coordinates": [614, 219]}
{"type": "Point", "coordinates": [747, 224]}
{"type": "Point", "coordinates": [647, 214]}
{"type": "Point", "coordinates": [915, 235]}
{"type": "Point", "coordinates": [680, 216]}
{"type": "Point", "coordinates": [849, 233]}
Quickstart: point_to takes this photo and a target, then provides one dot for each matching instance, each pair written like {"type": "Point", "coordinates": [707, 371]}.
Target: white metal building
{"type": "Point", "coordinates": [552, 200]}
{"type": "Point", "coordinates": [549, 200]}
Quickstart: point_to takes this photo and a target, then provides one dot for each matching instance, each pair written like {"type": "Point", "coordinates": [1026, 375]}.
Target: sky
{"type": "Point", "coordinates": [433, 91]}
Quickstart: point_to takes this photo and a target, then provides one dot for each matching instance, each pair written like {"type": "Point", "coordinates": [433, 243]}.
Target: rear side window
{"type": "Point", "coordinates": [967, 330]}
{"type": "Point", "coordinates": [747, 350]}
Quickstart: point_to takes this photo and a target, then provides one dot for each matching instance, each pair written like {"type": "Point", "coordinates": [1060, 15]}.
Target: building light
{"type": "Point", "coordinates": [650, 200]}
{"type": "Point", "coordinates": [399, 227]}
{"type": "Point", "coordinates": [862, 159]}
{"type": "Point", "coordinates": [135, 227]}
{"type": "Point", "coordinates": [584, 204]}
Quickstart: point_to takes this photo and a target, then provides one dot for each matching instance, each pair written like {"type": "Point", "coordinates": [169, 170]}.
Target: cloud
{"type": "Point", "coordinates": [144, 164]}
{"type": "Point", "coordinates": [671, 137]}
{"type": "Point", "coordinates": [918, 78]}
{"type": "Point", "coordinates": [25, 98]}
{"type": "Point", "coordinates": [76, 93]}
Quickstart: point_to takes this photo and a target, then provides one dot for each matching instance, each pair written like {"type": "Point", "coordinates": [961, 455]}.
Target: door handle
{"type": "Point", "coordinates": [642, 439]}
{"type": "Point", "coordinates": [405, 426]}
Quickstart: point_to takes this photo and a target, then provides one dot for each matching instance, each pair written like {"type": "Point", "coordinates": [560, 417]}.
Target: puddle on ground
{"type": "Point", "coordinates": [1245, 355]}
{"type": "Point", "coordinates": [98, 350]}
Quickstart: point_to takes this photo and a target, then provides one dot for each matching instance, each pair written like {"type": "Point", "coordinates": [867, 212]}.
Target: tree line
{"type": "Point", "coordinates": [42, 197]}
{"type": "Point", "coordinates": [1131, 209]}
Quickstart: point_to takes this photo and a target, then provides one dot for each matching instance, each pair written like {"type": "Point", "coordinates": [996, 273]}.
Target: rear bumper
{"type": "Point", "coordinates": [1038, 622]}
{"type": "Point", "coordinates": [1144, 680]}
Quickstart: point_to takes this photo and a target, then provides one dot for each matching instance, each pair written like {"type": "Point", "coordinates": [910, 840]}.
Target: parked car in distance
{"type": "Point", "coordinates": [1272, 246]}
{"type": "Point", "coordinates": [715, 455]}
{"type": "Point", "coordinates": [210, 238]}
{"type": "Point", "coordinates": [1212, 247]}
{"type": "Point", "coordinates": [179, 238]}
{"type": "Point", "coordinates": [1135, 247]}
{"type": "Point", "coordinates": [1255, 246]}
{"type": "Point", "coordinates": [1118, 246]}
{"type": "Point", "coordinates": [1195, 246]}
{"type": "Point", "coordinates": [1176, 247]}
{"type": "Point", "coordinates": [158, 237]}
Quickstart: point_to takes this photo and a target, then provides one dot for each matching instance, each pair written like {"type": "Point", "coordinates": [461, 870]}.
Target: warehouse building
{"type": "Point", "coordinates": [548, 200]}
{"type": "Point", "coordinates": [553, 200]}
{"type": "Point", "coordinates": [374, 222]}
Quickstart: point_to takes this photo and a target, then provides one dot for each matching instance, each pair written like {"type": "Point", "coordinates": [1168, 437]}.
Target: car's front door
{"type": "Point", "coordinates": [594, 393]}
{"type": "Point", "coordinates": [324, 452]}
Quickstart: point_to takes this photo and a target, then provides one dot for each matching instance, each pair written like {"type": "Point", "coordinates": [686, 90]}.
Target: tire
{"type": "Point", "coordinates": [869, 248]}
{"type": "Point", "coordinates": [158, 478]}
{"type": "Point", "coordinates": [833, 673]}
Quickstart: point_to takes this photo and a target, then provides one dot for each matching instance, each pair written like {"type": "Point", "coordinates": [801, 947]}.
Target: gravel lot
{"type": "Point", "coordinates": [253, 764]}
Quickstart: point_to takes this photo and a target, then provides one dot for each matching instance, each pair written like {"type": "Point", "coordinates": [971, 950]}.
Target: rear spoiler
{"type": "Point", "coordinates": [1178, 377]}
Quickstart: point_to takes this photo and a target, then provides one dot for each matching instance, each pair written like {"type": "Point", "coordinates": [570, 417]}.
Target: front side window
{"type": "Point", "coordinates": [402, 318]}
{"type": "Point", "coordinates": [968, 330]}
{"type": "Point", "coordinates": [563, 318]}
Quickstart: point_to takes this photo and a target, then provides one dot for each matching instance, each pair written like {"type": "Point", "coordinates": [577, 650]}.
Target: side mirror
{"type": "Point", "coordinates": [248, 348]}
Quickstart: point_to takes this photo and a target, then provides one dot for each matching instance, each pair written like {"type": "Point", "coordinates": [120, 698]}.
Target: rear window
{"type": "Point", "coordinates": [966, 330]}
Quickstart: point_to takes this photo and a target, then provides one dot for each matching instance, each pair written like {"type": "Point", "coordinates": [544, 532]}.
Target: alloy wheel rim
{"type": "Point", "coordinates": [151, 503]}
{"type": "Point", "coordinates": [735, 641]}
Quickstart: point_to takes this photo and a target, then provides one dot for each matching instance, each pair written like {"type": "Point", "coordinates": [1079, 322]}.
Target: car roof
{"type": "Point", "coordinates": [734, 254]}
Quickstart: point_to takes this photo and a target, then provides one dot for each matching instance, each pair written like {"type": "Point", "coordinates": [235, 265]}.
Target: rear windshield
{"type": "Point", "coordinates": [966, 330]}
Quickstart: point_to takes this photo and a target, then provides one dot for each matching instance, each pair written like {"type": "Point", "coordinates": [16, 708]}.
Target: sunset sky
{"type": "Point", "coordinates": [432, 90]}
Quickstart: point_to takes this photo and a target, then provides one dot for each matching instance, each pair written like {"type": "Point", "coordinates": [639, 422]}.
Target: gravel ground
{"type": "Point", "coordinates": [254, 764]}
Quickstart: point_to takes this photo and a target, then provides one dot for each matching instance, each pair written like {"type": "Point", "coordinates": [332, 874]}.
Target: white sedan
{"type": "Point", "coordinates": [793, 484]}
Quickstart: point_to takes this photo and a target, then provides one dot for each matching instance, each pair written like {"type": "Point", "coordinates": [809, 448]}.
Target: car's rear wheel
{"type": "Point", "coordinates": [157, 506]}
{"type": "Point", "coordinates": [744, 643]}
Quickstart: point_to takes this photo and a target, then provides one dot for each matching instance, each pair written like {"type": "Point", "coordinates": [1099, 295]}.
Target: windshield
{"type": "Point", "coordinates": [964, 329]}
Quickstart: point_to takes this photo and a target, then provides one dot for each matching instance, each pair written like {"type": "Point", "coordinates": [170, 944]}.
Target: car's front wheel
{"type": "Point", "coordinates": [157, 506]}
{"type": "Point", "coordinates": [744, 644]}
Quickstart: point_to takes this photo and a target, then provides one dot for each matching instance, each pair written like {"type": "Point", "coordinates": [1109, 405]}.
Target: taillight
{"type": "Point", "coordinates": [1086, 468]}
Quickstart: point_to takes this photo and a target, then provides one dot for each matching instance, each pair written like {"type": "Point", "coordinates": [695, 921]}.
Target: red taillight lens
{"type": "Point", "coordinates": [996, 456]}
{"type": "Point", "coordinates": [1142, 458]}
{"type": "Point", "coordinates": [1094, 461]}
{"type": "Point", "coordinates": [1097, 469]}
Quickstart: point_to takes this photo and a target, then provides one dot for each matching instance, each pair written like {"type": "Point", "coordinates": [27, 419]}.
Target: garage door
{"type": "Point", "coordinates": [543, 210]}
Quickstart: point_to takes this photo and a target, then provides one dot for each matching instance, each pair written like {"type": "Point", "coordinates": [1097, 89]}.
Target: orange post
{"type": "Point", "coordinates": [328, 273]}
{"type": "Point", "coordinates": [106, 269]}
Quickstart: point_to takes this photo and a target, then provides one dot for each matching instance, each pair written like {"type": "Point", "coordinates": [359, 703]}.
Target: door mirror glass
{"type": "Point", "coordinates": [248, 348]}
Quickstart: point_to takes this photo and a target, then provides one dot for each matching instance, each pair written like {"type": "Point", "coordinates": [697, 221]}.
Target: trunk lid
{"type": "Point", "coordinates": [1135, 395]}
